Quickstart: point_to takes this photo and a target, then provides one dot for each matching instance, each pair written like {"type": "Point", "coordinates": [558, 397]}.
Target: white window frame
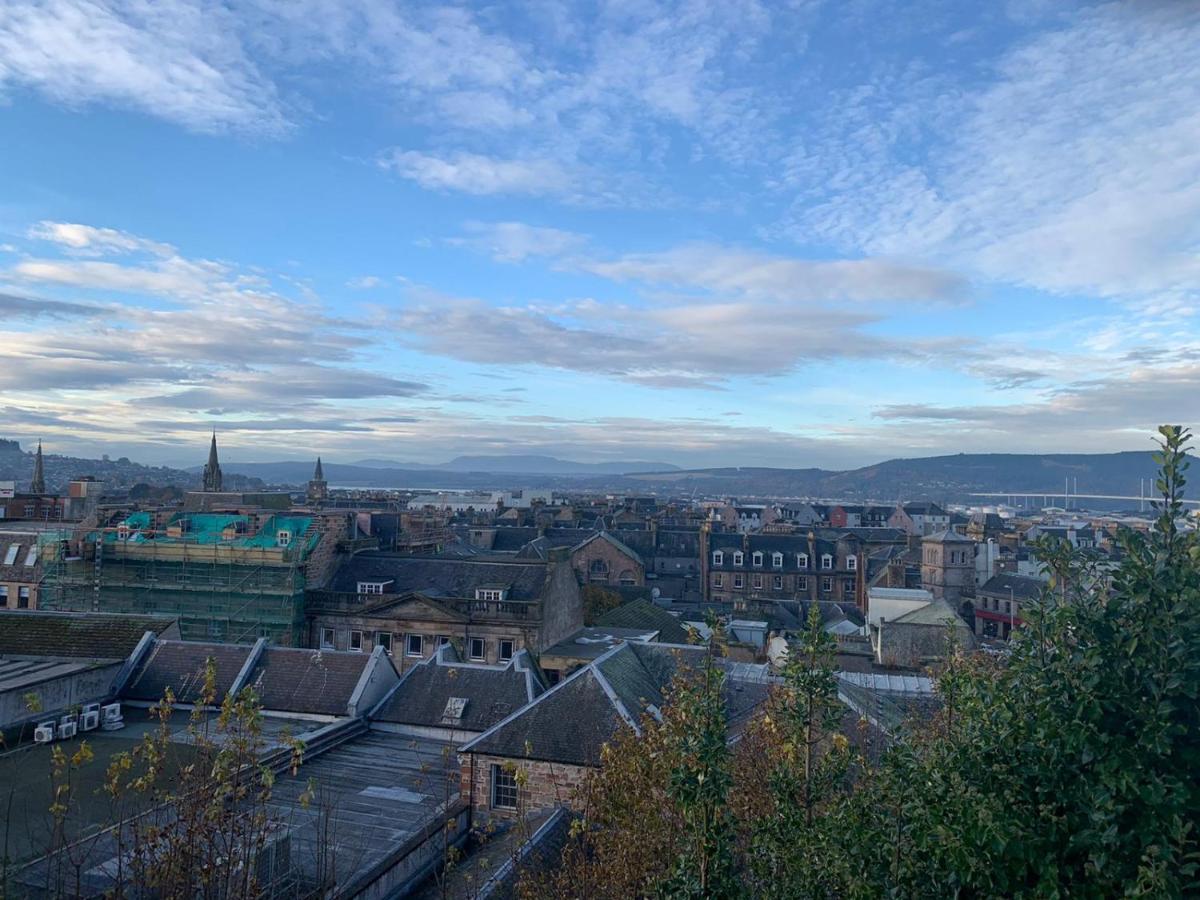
{"type": "Point", "coordinates": [10, 557]}
{"type": "Point", "coordinates": [408, 644]}
{"type": "Point", "coordinates": [739, 581]}
{"type": "Point", "coordinates": [489, 595]}
{"type": "Point", "coordinates": [739, 558]}
{"type": "Point", "coordinates": [482, 651]}
{"type": "Point", "coordinates": [371, 587]}
{"type": "Point", "coordinates": [756, 559]}
{"type": "Point", "coordinates": [777, 560]}
{"type": "Point", "coordinates": [718, 558]}
{"type": "Point", "coordinates": [283, 538]}
{"type": "Point", "coordinates": [826, 585]}
{"type": "Point", "coordinates": [777, 585]}
{"type": "Point", "coordinates": [826, 562]}
{"type": "Point", "coordinates": [328, 639]}
{"type": "Point", "coordinates": [31, 556]}
{"type": "Point", "coordinates": [757, 581]}
{"type": "Point", "coordinates": [801, 560]}
{"type": "Point", "coordinates": [802, 583]}
{"type": "Point", "coordinates": [718, 579]}
{"type": "Point", "coordinates": [513, 790]}
{"type": "Point", "coordinates": [852, 563]}
{"type": "Point", "coordinates": [512, 649]}
{"type": "Point", "coordinates": [350, 644]}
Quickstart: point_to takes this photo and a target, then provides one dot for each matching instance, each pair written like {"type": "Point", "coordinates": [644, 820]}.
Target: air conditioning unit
{"type": "Point", "coordinates": [110, 717]}
{"type": "Point", "coordinates": [66, 730]}
{"type": "Point", "coordinates": [90, 720]}
{"type": "Point", "coordinates": [44, 733]}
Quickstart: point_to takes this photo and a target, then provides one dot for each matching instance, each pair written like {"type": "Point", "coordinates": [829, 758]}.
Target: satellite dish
{"type": "Point", "coordinates": [655, 593]}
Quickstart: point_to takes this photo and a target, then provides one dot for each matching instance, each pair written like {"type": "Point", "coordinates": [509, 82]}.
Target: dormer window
{"type": "Point", "coordinates": [283, 538]}
{"type": "Point", "coordinates": [826, 561]}
{"type": "Point", "coordinates": [371, 587]}
{"type": "Point", "coordinates": [738, 558]}
{"type": "Point", "coordinates": [718, 558]}
{"type": "Point", "coordinates": [756, 558]}
{"type": "Point", "coordinates": [489, 594]}
{"type": "Point", "coordinates": [123, 532]}
{"type": "Point", "coordinates": [852, 563]}
{"type": "Point", "coordinates": [777, 560]}
{"type": "Point", "coordinates": [801, 560]}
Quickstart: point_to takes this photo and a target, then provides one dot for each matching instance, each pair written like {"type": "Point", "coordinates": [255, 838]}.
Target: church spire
{"type": "Point", "coordinates": [212, 470]}
{"type": "Point", "coordinates": [318, 489]}
{"type": "Point", "coordinates": [37, 484]}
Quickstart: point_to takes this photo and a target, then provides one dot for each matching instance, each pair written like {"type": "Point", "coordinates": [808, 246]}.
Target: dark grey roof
{"type": "Point", "coordinates": [948, 536]}
{"type": "Point", "coordinates": [1019, 587]}
{"type": "Point", "coordinates": [180, 666]}
{"type": "Point", "coordinates": [318, 682]}
{"type": "Point", "coordinates": [572, 721]}
{"type": "Point", "coordinates": [614, 541]}
{"type": "Point", "coordinates": [492, 692]}
{"type": "Point", "coordinates": [642, 614]}
{"type": "Point", "coordinates": [66, 634]}
{"type": "Point", "coordinates": [437, 577]}
{"type": "Point", "coordinates": [593, 641]}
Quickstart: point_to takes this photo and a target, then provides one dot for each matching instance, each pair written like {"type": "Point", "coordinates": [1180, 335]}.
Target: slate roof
{"type": "Point", "coordinates": [492, 692]}
{"type": "Point", "coordinates": [607, 536]}
{"type": "Point", "coordinates": [180, 666]}
{"type": "Point", "coordinates": [936, 612]}
{"type": "Point", "coordinates": [642, 614]}
{"type": "Point", "coordinates": [318, 682]}
{"type": "Point", "coordinates": [441, 577]}
{"type": "Point", "coordinates": [948, 536]}
{"type": "Point", "coordinates": [572, 721]}
{"type": "Point", "coordinates": [76, 635]}
{"type": "Point", "coordinates": [1018, 587]}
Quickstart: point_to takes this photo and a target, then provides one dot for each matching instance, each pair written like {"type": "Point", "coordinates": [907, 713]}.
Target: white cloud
{"type": "Point", "coordinates": [472, 173]}
{"type": "Point", "coordinates": [365, 282]}
{"type": "Point", "coordinates": [176, 59]}
{"type": "Point", "coordinates": [512, 242]}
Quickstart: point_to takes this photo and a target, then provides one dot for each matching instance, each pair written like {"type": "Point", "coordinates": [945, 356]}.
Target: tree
{"type": "Point", "coordinates": [597, 601]}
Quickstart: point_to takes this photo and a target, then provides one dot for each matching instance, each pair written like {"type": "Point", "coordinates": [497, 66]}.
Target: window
{"type": "Point", "coordinates": [122, 532]}
{"type": "Point", "coordinates": [758, 582]}
{"type": "Point", "coordinates": [826, 561]}
{"type": "Point", "coordinates": [848, 587]}
{"type": "Point", "coordinates": [327, 639]}
{"type": "Point", "coordinates": [1007, 603]}
{"type": "Point", "coordinates": [757, 558]}
{"type": "Point", "coordinates": [777, 560]}
{"type": "Point", "coordinates": [504, 788]}
{"type": "Point", "coordinates": [738, 581]}
{"type": "Point", "coordinates": [22, 598]}
{"type": "Point", "coordinates": [283, 538]}
{"type": "Point", "coordinates": [801, 560]}
{"type": "Point", "coordinates": [738, 558]}
{"type": "Point", "coordinates": [415, 645]}
{"type": "Point", "coordinates": [11, 556]}
{"type": "Point", "coordinates": [778, 584]}
{"type": "Point", "coordinates": [802, 583]}
{"type": "Point", "coordinates": [31, 556]}
{"type": "Point", "coordinates": [852, 563]}
{"type": "Point", "coordinates": [826, 585]}
{"type": "Point", "coordinates": [478, 650]}
{"type": "Point", "coordinates": [356, 641]}
{"type": "Point", "coordinates": [507, 648]}
{"type": "Point", "coordinates": [384, 639]}
{"type": "Point", "coordinates": [490, 594]}
{"type": "Point", "coordinates": [628, 578]}
{"type": "Point", "coordinates": [442, 639]}
{"type": "Point", "coordinates": [3, 595]}
{"type": "Point", "coordinates": [370, 587]}
{"type": "Point", "coordinates": [718, 579]}
{"type": "Point", "coordinates": [718, 558]}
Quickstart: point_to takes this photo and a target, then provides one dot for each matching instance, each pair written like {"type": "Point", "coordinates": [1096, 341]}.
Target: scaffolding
{"type": "Point", "coordinates": [224, 580]}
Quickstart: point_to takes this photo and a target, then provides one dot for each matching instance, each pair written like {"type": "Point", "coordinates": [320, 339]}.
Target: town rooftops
{"type": "Point", "coordinates": [77, 635]}
{"type": "Point", "coordinates": [441, 577]}
{"type": "Point", "coordinates": [180, 666]}
{"type": "Point", "coordinates": [444, 692]}
{"type": "Point", "coordinates": [644, 615]}
{"type": "Point", "coordinates": [1009, 586]}
{"type": "Point", "coordinates": [572, 721]}
{"type": "Point", "coordinates": [947, 536]}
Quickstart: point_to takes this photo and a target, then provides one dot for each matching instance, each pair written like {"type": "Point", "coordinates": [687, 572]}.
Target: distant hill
{"type": "Point", "coordinates": [16, 464]}
{"type": "Point", "coordinates": [523, 465]}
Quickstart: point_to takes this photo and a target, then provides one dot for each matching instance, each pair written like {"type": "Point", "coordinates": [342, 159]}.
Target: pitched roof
{"type": "Point", "coordinates": [948, 536]}
{"type": "Point", "coordinates": [180, 666]}
{"type": "Point", "coordinates": [491, 692]}
{"type": "Point", "coordinates": [936, 612]}
{"type": "Point", "coordinates": [644, 615]}
{"type": "Point", "coordinates": [65, 634]}
{"type": "Point", "coordinates": [1019, 587]}
{"type": "Point", "coordinates": [607, 536]}
{"type": "Point", "coordinates": [318, 682]}
{"type": "Point", "coordinates": [572, 721]}
{"type": "Point", "coordinates": [441, 577]}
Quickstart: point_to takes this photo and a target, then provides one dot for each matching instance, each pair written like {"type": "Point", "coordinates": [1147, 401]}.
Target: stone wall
{"type": "Point", "coordinates": [547, 785]}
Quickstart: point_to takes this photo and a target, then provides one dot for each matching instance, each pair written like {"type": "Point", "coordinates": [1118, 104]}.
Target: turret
{"type": "Point", "coordinates": [37, 484]}
{"type": "Point", "coordinates": [212, 469]}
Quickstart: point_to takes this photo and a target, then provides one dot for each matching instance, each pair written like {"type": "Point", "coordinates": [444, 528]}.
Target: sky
{"type": "Point", "coordinates": [733, 233]}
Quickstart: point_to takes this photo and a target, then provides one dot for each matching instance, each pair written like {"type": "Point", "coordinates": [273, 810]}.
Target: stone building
{"type": "Point", "coordinates": [948, 566]}
{"type": "Point", "coordinates": [318, 487]}
{"type": "Point", "coordinates": [410, 605]}
{"type": "Point", "coordinates": [20, 570]}
{"type": "Point", "coordinates": [604, 560]}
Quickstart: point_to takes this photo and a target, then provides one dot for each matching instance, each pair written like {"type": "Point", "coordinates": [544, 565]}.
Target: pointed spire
{"type": "Point", "coordinates": [318, 475]}
{"type": "Point", "coordinates": [37, 484]}
{"type": "Point", "coordinates": [212, 470]}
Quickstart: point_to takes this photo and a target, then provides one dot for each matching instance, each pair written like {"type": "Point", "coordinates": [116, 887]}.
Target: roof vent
{"type": "Point", "coordinates": [454, 709]}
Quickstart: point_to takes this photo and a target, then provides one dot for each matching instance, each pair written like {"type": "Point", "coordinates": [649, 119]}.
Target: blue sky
{"type": "Point", "coordinates": [806, 233]}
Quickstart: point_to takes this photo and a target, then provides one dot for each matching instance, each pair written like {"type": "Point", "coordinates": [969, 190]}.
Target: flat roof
{"type": "Point", "coordinates": [18, 674]}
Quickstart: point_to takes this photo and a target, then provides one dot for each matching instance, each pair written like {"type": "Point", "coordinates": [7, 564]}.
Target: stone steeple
{"type": "Point", "coordinates": [37, 484]}
{"type": "Point", "coordinates": [318, 488]}
{"type": "Point", "coordinates": [212, 470]}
